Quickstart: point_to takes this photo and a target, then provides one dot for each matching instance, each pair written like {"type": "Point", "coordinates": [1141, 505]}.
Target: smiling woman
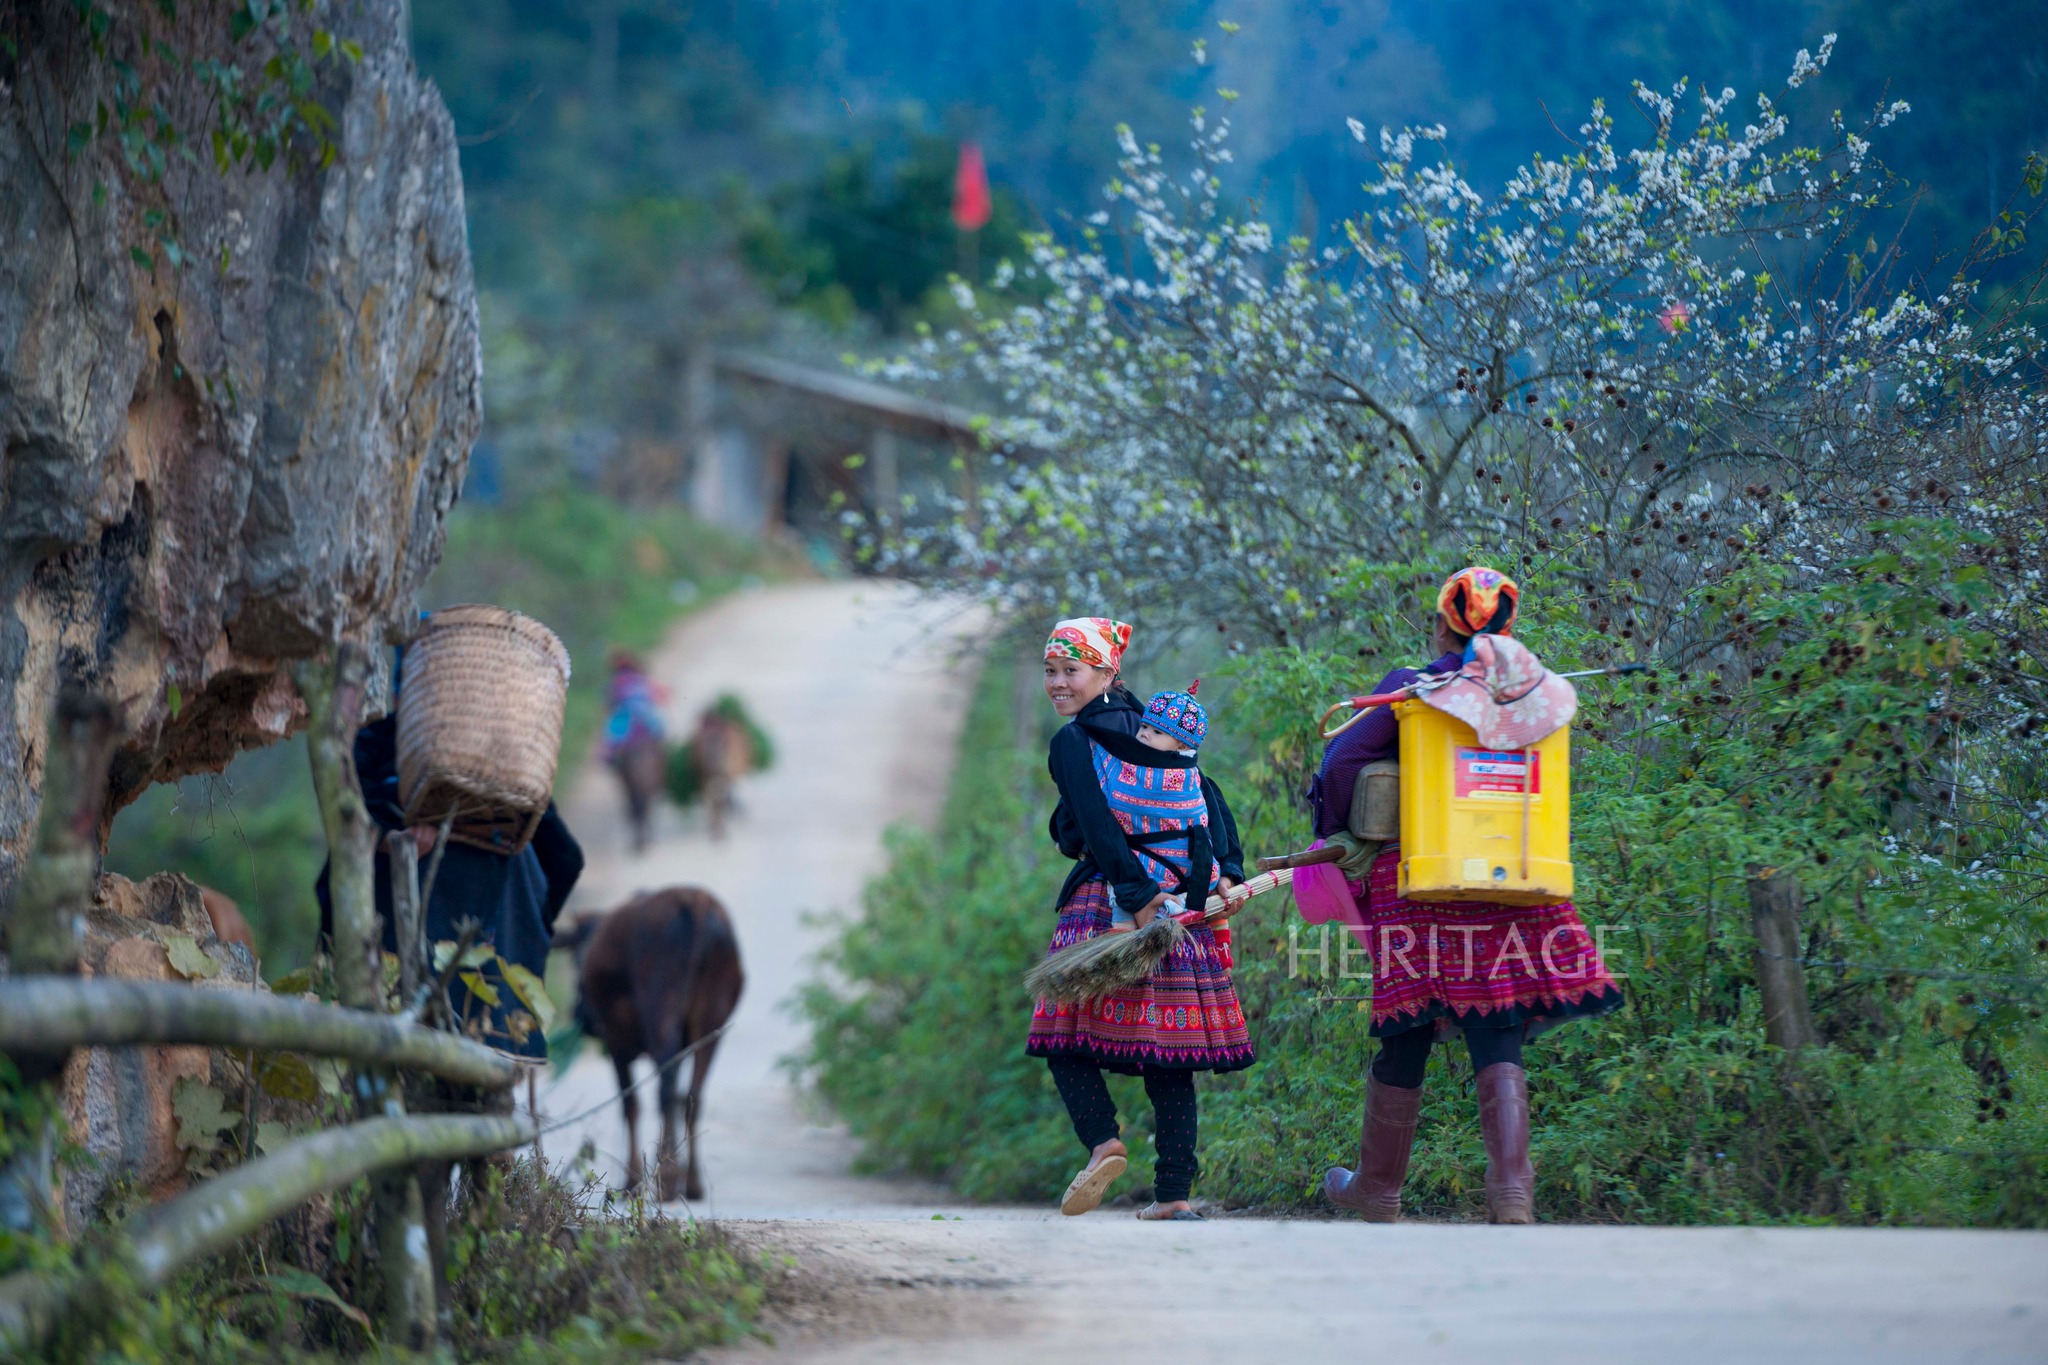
{"type": "Point", "coordinates": [1132, 815]}
{"type": "Point", "coordinates": [1071, 684]}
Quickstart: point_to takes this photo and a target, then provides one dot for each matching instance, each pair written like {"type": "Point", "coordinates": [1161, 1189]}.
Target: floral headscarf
{"type": "Point", "coordinates": [1471, 598]}
{"type": "Point", "coordinates": [1095, 640]}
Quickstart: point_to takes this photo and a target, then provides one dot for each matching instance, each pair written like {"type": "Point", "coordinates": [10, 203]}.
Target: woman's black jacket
{"type": "Point", "coordinates": [1083, 828]}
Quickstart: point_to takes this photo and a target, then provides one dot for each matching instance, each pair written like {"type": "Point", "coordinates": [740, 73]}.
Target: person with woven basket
{"type": "Point", "coordinates": [516, 893]}
{"type": "Point", "coordinates": [1496, 973]}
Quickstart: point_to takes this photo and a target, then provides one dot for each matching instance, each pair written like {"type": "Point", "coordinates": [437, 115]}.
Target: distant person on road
{"type": "Point", "coordinates": [635, 740]}
{"type": "Point", "coordinates": [634, 700]}
{"type": "Point", "coordinates": [1137, 828]}
{"type": "Point", "coordinates": [1496, 973]}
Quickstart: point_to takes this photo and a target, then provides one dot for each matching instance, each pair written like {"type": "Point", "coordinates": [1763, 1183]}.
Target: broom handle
{"type": "Point", "coordinates": [1219, 909]}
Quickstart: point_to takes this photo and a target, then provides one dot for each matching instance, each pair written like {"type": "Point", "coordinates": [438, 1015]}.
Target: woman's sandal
{"type": "Point", "coordinates": [1087, 1188]}
{"type": "Point", "coordinates": [1152, 1213]}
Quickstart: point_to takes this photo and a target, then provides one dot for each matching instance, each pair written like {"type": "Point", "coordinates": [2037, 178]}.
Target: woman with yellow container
{"type": "Point", "coordinates": [1471, 929]}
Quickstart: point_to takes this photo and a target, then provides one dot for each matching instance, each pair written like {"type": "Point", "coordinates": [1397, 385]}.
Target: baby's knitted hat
{"type": "Point", "coordinates": [1180, 715]}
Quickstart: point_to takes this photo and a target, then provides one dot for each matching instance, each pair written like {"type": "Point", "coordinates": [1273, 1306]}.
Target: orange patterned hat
{"type": "Point", "coordinates": [1471, 601]}
{"type": "Point", "coordinates": [1095, 640]}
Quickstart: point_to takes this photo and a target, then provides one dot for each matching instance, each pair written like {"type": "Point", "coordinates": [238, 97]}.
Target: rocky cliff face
{"type": "Point", "coordinates": [213, 465]}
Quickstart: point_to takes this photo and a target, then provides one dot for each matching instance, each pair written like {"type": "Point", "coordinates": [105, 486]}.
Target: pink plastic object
{"type": "Point", "coordinates": [1322, 895]}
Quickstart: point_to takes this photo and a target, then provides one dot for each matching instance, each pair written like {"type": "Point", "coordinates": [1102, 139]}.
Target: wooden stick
{"type": "Point", "coordinates": [334, 692]}
{"type": "Point", "coordinates": [64, 1012]}
{"type": "Point", "coordinates": [434, 862]}
{"type": "Point", "coordinates": [47, 919]}
{"type": "Point", "coordinates": [1309, 857]}
{"type": "Point", "coordinates": [42, 930]}
{"type": "Point", "coordinates": [1359, 706]}
{"type": "Point", "coordinates": [402, 858]}
{"type": "Point", "coordinates": [435, 1001]}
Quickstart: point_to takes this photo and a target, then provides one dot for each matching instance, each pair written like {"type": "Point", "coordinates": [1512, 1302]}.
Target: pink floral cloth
{"type": "Point", "coordinates": [1506, 695]}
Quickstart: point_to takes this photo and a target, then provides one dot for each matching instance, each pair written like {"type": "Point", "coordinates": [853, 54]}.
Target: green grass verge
{"type": "Point", "coordinates": [542, 1272]}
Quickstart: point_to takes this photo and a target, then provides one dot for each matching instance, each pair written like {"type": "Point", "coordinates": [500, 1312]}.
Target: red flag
{"type": "Point", "coordinates": [971, 204]}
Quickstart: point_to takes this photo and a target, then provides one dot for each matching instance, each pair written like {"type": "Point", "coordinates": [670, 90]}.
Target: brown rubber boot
{"type": "Point", "coordinates": [1374, 1189]}
{"type": "Point", "coordinates": [1504, 1123]}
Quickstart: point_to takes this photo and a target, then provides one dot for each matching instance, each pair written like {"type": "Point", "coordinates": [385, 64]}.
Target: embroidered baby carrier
{"type": "Point", "coordinates": [1164, 820]}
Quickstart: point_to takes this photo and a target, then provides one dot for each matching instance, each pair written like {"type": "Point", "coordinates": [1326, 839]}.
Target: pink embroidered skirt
{"type": "Point", "coordinates": [1185, 1016]}
{"type": "Point", "coordinates": [1476, 963]}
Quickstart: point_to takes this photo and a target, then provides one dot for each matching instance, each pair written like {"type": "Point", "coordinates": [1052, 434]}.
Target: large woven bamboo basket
{"type": "Point", "coordinates": [480, 724]}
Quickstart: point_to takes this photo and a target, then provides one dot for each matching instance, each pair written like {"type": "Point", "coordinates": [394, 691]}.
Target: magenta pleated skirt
{"type": "Point", "coordinates": [1185, 1016]}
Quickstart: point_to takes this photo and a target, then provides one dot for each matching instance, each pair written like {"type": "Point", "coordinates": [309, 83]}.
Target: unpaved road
{"type": "Point", "coordinates": [864, 697]}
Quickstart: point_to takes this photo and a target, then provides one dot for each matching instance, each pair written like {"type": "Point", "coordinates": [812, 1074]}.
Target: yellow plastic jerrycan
{"type": "Point", "coordinates": [1482, 824]}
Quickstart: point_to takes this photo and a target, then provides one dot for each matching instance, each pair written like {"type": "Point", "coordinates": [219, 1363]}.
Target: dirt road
{"type": "Point", "coordinates": [858, 686]}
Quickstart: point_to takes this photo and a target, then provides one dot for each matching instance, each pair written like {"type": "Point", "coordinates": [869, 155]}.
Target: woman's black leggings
{"type": "Point", "coordinates": [1172, 1093]}
{"type": "Point", "coordinates": [1403, 1055]}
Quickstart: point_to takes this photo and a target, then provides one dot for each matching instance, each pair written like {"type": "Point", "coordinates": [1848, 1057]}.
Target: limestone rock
{"type": "Point", "coordinates": [118, 1100]}
{"type": "Point", "coordinates": [212, 468]}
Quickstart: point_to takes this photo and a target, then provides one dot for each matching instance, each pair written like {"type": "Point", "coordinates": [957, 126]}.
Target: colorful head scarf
{"type": "Point", "coordinates": [1095, 640]}
{"type": "Point", "coordinates": [1178, 714]}
{"type": "Point", "coordinates": [1479, 601]}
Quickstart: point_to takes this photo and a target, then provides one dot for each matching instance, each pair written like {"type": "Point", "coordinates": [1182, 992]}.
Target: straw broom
{"type": "Point", "coordinates": [1107, 963]}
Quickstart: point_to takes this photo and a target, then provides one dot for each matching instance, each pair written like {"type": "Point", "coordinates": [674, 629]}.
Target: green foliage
{"type": "Point", "coordinates": [599, 573]}
{"type": "Point", "coordinates": [538, 1279]}
{"type": "Point", "coordinates": [29, 1117]}
{"type": "Point", "coordinates": [684, 776]}
{"type": "Point", "coordinates": [534, 1277]}
{"type": "Point", "coordinates": [256, 75]}
{"type": "Point", "coordinates": [872, 234]}
{"type": "Point", "coordinates": [252, 833]}
{"type": "Point", "coordinates": [1859, 753]}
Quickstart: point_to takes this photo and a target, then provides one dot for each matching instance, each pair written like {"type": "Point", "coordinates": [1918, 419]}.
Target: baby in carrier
{"type": "Point", "coordinates": [1165, 819]}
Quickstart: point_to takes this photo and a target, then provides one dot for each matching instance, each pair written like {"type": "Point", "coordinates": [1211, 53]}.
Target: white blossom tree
{"type": "Point", "coordinates": [1638, 360]}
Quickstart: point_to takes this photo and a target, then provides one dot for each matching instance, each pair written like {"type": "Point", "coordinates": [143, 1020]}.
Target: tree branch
{"type": "Point", "coordinates": [42, 1014]}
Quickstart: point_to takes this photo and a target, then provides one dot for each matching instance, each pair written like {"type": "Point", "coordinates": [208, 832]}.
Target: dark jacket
{"type": "Point", "coordinates": [1083, 828]}
{"type": "Point", "coordinates": [516, 897]}
{"type": "Point", "coordinates": [1373, 739]}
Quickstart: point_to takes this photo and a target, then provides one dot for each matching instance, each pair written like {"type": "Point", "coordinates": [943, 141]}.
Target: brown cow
{"type": "Point", "coordinates": [658, 974]}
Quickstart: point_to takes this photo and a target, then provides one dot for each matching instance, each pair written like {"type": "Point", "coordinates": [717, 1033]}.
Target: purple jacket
{"type": "Point", "coordinates": [1375, 738]}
